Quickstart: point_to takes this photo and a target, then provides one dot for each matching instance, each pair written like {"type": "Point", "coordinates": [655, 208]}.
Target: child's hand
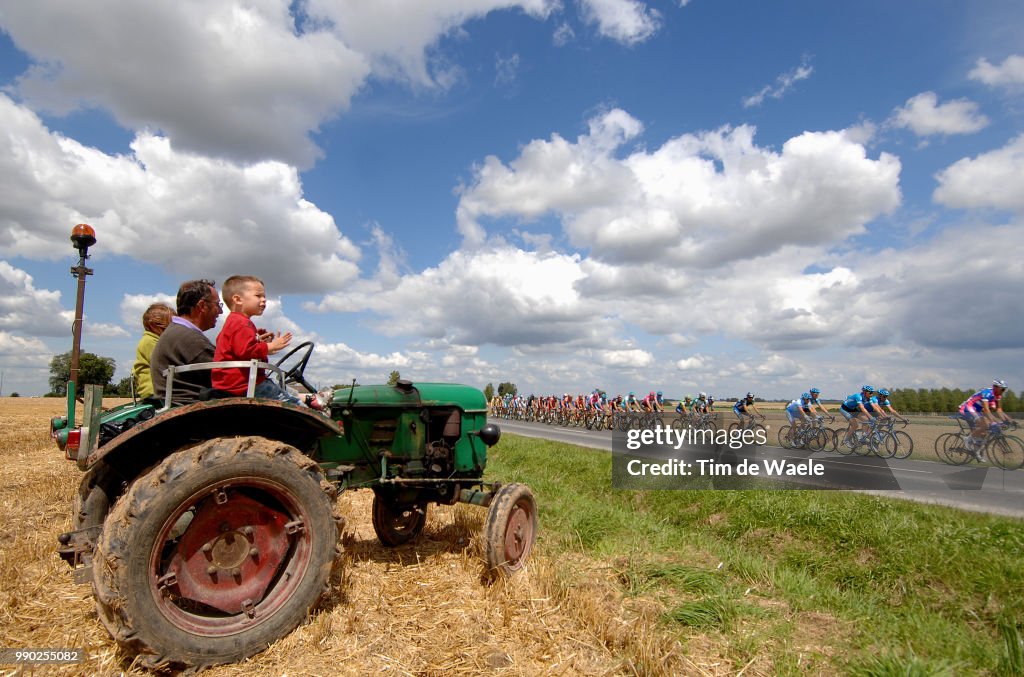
{"type": "Point", "coordinates": [278, 341]}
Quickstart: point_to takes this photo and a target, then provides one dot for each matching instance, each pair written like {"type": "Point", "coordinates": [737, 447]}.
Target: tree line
{"type": "Point", "coordinates": [943, 400]}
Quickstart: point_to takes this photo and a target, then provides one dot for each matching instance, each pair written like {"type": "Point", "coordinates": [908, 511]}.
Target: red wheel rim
{"type": "Point", "coordinates": [240, 558]}
{"type": "Point", "coordinates": [519, 533]}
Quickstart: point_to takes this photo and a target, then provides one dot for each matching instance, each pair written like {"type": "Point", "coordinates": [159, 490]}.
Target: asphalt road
{"type": "Point", "coordinates": [989, 490]}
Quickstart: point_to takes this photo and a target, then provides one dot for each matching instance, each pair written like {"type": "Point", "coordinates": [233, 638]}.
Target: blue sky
{"type": "Point", "coordinates": [681, 196]}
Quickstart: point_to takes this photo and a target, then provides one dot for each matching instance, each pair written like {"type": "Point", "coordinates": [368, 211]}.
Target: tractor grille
{"type": "Point", "coordinates": [383, 433]}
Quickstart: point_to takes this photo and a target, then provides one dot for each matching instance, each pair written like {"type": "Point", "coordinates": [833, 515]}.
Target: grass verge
{"type": "Point", "coordinates": [791, 582]}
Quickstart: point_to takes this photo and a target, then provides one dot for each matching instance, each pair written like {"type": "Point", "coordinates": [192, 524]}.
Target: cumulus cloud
{"type": "Point", "coordinates": [501, 295]}
{"type": "Point", "coordinates": [925, 116]}
{"type": "Point", "coordinates": [625, 21]}
{"type": "Point", "coordinates": [694, 362]}
{"type": "Point", "coordinates": [248, 81]}
{"type": "Point", "coordinates": [397, 38]}
{"type": "Point", "coordinates": [233, 78]}
{"type": "Point", "coordinates": [992, 179]}
{"type": "Point", "coordinates": [20, 351]}
{"type": "Point", "coordinates": [39, 312]}
{"type": "Point", "coordinates": [699, 200]}
{"type": "Point", "coordinates": [1007, 74]}
{"type": "Point", "coordinates": [134, 305]}
{"type": "Point", "coordinates": [625, 357]}
{"type": "Point", "coordinates": [782, 85]}
{"type": "Point", "coordinates": [193, 215]}
{"type": "Point", "coordinates": [25, 362]}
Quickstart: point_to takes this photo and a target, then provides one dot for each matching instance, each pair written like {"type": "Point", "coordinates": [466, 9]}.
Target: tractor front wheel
{"type": "Point", "coordinates": [397, 524]}
{"type": "Point", "coordinates": [216, 552]}
{"type": "Point", "coordinates": [510, 529]}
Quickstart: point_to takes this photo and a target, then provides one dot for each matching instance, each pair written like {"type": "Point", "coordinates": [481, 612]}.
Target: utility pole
{"type": "Point", "coordinates": [82, 236]}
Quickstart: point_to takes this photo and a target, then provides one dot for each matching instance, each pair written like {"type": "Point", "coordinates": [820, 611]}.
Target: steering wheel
{"type": "Point", "coordinates": [295, 373]}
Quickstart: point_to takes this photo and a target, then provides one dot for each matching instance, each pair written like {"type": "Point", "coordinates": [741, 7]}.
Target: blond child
{"type": "Point", "coordinates": [154, 321]}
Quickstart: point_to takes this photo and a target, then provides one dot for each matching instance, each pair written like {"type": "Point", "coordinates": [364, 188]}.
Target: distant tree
{"type": "Point", "coordinates": [1011, 402]}
{"type": "Point", "coordinates": [92, 369]}
{"type": "Point", "coordinates": [15, 394]}
{"type": "Point", "coordinates": [122, 389]}
{"type": "Point", "coordinates": [507, 388]}
{"type": "Point", "coordinates": [489, 391]}
{"type": "Point", "coordinates": [393, 378]}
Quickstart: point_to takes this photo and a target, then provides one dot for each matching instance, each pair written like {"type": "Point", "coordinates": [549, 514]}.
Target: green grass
{"type": "Point", "coordinates": [846, 582]}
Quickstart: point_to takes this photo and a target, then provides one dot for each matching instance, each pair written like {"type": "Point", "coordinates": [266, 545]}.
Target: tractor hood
{"type": "Point", "coordinates": [406, 394]}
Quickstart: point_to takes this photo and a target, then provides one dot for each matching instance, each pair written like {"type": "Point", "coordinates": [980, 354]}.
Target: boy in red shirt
{"type": "Point", "coordinates": [246, 298]}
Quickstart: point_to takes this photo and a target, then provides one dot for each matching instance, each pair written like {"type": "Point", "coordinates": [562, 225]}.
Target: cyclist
{"type": "Point", "coordinates": [798, 412]}
{"type": "Point", "coordinates": [743, 407]}
{"type": "Point", "coordinates": [683, 407]}
{"type": "Point", "coordinates": [711, 403]}
{"type": "Point", "coordinates": [854, 411]}
{"type": "Point", "coordinates": [984, 410]}
{"type": "Point", "coordinates": [659, 402]}
{"type": "Point", "coordinates": [631, 403]}
{"type": "Point", "coordinates": [884, 401]}
{"type": "Point", "coordinates": [816, 402]}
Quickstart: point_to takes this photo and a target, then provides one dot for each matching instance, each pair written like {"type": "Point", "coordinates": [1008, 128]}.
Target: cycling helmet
{"type": "Point", "coordinates": [868, 389]}
{"type": "Point", "coordinates": [805, 396]}
{"type": "Point", "coordinates": [883, 392]}
{"type": "Point", "coordinates": [999, 383]}
{"type": "Point", "coordinates": [659, 393]}
{"type": "Point", "coordinates": [815, 391]}
{"type": "Point", "coordinates": [703, 395]}
{"type": "Point", "coordinates": [631, 393]}
{"type": "Point", "coordinates": [750, 396]}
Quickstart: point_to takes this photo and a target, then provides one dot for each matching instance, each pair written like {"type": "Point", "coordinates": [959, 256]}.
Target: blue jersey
{"type": "Point", "coordinates": [795, 407]}
{"type": "Point", "coordinates": [872, 405]}
{"type": "Point", "coordinates": [852, 402]}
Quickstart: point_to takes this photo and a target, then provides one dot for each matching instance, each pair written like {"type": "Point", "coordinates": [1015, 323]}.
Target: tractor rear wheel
{"type": "Point", "coordinates": [510, 529]}
{"type": "Point", "coordinates": [216, 552]}
{"type": "Point", "coordinates": [397, 524]}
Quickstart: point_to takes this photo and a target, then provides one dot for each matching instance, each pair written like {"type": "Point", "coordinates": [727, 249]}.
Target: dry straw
{"type": "Point", "coordinates": [423, 609]}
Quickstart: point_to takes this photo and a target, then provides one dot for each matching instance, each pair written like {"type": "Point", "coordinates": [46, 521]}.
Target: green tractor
{"type": "Point", "coordinates": [208, 531]}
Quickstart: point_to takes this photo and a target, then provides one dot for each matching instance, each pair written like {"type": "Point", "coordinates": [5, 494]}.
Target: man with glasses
{"type": "Point", "coordinates": [183, 342]}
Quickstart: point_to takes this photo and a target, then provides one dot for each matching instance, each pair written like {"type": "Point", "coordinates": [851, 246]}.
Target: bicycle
{"type": "Point", "coordinates": [750, 422]}
{"type": "Point", "coordinates": [1002, 450]}
{"type": "Point", "coordinates": [898, 444]}
{"type": "Point", "coordinates": [864, 442]}
{"type": "Point", "coordinates": [810, 436]}
{"type": "Point", "coordinates": [682, 421]}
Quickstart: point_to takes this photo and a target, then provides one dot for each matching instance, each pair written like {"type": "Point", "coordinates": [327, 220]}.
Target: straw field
{"type": "Point", "coordinates": [422, 609]}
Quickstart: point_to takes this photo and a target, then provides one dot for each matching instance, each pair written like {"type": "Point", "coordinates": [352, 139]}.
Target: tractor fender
{"type": "Point", "coordinates": [150, 442]}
